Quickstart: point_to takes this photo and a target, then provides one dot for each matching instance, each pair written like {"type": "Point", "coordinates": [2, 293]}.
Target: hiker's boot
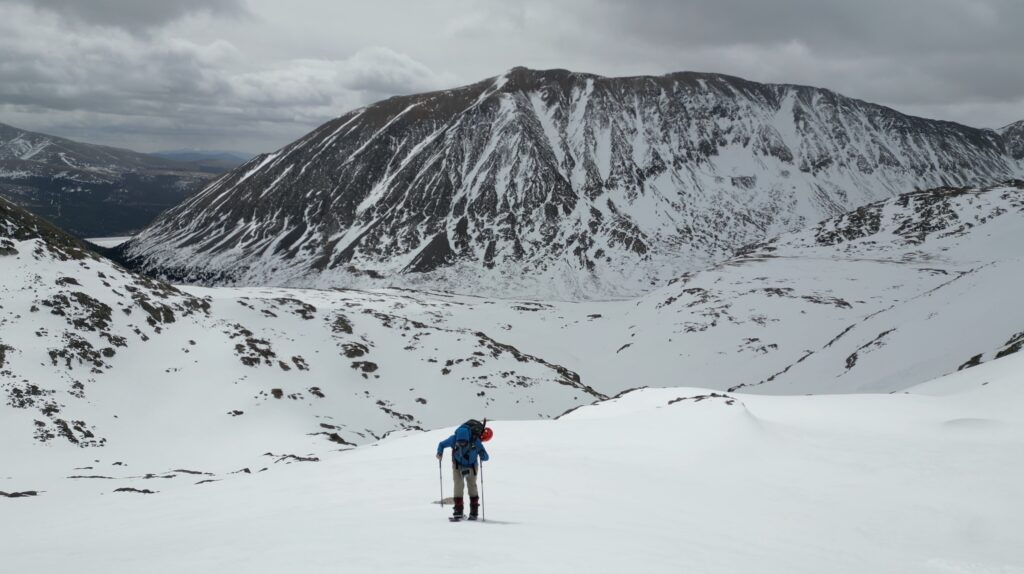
{"type": "Point", "coordinates": [457, 513]}
{"type": "Point", "coordinates": [474, 506]}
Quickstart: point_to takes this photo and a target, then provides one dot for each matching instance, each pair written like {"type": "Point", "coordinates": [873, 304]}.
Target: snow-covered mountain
{"type": "Point", "coordinates": [871, 301]}
{"type": "Point", "coordinates": [88, 350]}
{"type": "Point", "coordinates": [92, 190]}
{"type": "Point", "coordinates": [875, 300]}
{"type": "Point", "coordinates": [162, 429]}
{"type": "Point", "coordinates": [553, 184]}
{"type": "Point", "coordinates": [1013, 135]}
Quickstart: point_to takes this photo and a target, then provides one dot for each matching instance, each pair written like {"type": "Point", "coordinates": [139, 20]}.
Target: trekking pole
{"type": "Point", "coordinates": [483, 509]}
{"type": "Point", "coordinates": [440, 480]}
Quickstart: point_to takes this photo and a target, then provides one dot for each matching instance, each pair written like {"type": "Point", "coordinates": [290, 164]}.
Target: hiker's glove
{"type": "Point", "coordinates": [439, 456]}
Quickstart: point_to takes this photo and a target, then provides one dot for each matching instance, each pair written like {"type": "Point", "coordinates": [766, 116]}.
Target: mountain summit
{"type": "Point", "coordinates": [556, 184]}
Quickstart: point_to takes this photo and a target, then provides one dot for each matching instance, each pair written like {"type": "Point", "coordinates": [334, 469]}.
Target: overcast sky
{"type": "Point", "coordinates": [253, 75]}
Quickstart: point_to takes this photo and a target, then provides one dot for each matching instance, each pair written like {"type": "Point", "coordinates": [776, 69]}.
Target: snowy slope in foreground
{"type": "Point", "coordinates": [654, 481]}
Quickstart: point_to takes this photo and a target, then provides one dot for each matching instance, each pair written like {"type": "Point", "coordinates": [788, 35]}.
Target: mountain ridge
{"type": "Point", "coordinates": [38, 142]}
{"type": "Point", "coordinates": [555, 184]}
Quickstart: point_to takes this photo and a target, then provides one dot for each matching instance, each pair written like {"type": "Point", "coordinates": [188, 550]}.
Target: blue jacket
{"type": "Point", "coordinates": [465, 450]}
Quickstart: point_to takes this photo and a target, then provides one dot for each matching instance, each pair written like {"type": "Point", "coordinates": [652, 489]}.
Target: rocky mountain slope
{"type": "Point", "coordinates": [1013, 135]}
{"type": "Point", "coordinates": [553, 184]}
{"type": "Point", "coordinates": [92, 190]}
{"type": "Point", "coordinates": [88, 350]}
{"type": "Point", "coordinates": [887, 296]}
{"type": "Point", "coordinates": [892, 294]}
{"type": "Point", "coordinates": [874, 300]}
{"type": "Point", "coordinates": [173, 388]}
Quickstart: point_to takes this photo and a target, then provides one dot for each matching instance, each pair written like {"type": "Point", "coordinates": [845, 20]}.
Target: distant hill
{"type": "Point", "coordinates": [93, 190]}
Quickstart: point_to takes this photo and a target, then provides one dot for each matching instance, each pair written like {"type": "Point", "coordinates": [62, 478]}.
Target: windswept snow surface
{"type": "Point", "coordinates": [658, 480]}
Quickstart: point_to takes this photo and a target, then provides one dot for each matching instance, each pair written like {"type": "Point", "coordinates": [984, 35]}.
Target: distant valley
{"type": "Point", "coordinates": [98, 191]}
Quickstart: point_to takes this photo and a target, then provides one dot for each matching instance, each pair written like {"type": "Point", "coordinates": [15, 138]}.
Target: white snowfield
{"type": "Point", "coordinates": [108, 241]}
{"type": "Point", "coordinates": [659, 480]}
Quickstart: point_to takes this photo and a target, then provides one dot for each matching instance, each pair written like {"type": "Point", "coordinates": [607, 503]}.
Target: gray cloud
{"type": "Point", "coordinates": [135, 14]}
{"type": "Point", "coordinates": [863, 26]}
{"type": "Point", "coordinates": [61, 80]}
{"type": "Point", "coordinates": [905, 52]}
{"type": "Point", "coordinates": [195, 78]}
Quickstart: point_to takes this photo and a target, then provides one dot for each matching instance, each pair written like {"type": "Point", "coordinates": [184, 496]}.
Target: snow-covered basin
{"type": "Point", "coordinates": [924, 481]}
{"type": "Point", "coordinates": [109, 242]}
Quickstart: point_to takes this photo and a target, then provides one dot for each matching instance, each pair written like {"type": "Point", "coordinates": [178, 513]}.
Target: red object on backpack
{"type": "Point", "coordinates": [487, 434]}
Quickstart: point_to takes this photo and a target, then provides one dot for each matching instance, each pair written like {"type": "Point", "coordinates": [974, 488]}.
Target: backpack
{"type": "Point", "coordinates": [464, 453]}
{"type": "Point", "coordinates": [476, 428]}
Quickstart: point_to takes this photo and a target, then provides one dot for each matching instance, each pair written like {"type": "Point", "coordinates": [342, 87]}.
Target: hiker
{"type": "Point", "coordinates": [466, 448]}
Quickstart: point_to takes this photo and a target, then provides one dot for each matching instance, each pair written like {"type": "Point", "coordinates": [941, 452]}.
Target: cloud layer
{"type": "Point", "coordinates": [255, 74]}
{"type": "Point", "coordinates": [160, 92]}
{"type": "Point", "coordinates": [134, 14]}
